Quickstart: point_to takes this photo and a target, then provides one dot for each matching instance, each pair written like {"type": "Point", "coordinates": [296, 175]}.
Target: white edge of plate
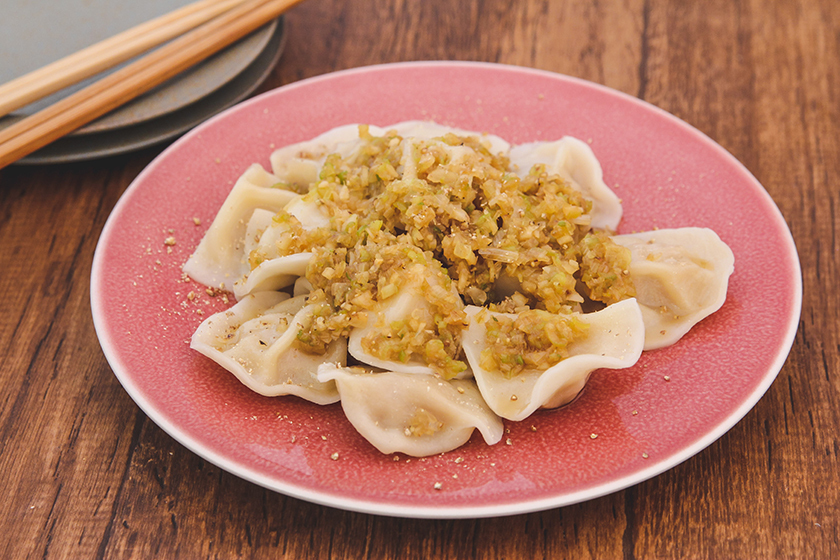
{"type": "Point", "coordinates": [443, 512]}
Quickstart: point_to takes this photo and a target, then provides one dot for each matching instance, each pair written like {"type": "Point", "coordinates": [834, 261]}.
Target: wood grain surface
{"type": "Point", "coordinates": [85, 474]}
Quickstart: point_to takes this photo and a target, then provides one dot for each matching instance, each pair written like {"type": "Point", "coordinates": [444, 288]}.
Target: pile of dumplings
{"type": "Point", "coordinates": [679, 276]}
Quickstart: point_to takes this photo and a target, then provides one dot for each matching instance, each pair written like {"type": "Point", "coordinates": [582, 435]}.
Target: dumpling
{"type": "Point", "coordinates": [409, 300]}
{"type": "Point", "coordinates": [575, 162]}
{"type": "Point", "coordinates": [681, 277]}
{"type": "Point", "coordinates": [308, 213]}
{"type": "Point", "coordinates": [273, 274]}
{"type": "Point", "coordinates": [302, 287]}
{"type": "Point", "coordinates": [426, 130]}
{"type": "Point", "coordinates": [276, 271]}
{"type": "Point", "coordinates": [417, 415]}
{"type": "Point", "coordinates": [254, 341]}
{"type": "Point", "coordinates": [220, 258]}
{"type": "Point", "coordinates": [614, 340]}
{"type": "Point", "coordinates": [299, 164]}
{"type": "Point", "coordinates": [259, 222]}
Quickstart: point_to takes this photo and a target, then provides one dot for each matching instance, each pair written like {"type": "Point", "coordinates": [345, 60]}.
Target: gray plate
{"type": "Point", "coordinates": [34, 33]}
{"type": "Point", "coordinates": [189, 86]}
{"type": "Point", "coordinates": [166, 127]}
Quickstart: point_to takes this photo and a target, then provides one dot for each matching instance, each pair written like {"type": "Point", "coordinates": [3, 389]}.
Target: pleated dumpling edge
{"type": "Point", "coordinates": [254, 340]}
{"type": "Point", "coordinates": [614, 340]}
{"type": "Point", "coordinates": [419, 415]}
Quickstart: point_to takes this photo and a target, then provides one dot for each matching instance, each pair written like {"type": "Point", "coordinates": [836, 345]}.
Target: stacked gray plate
{"type": "Point", "coordinates": [37, 32]}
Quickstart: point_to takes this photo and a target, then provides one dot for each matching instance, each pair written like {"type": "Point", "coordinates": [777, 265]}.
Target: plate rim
{"type": "Point", "coordinates": [151, 132]}
{"type": "Point", "coordinates": [89, 33]}
{"type": "Point", "coordinates": [449, 511]}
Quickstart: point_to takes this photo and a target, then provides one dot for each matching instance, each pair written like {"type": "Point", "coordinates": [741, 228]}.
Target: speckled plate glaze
{"type": "Point", "coordinates": [627, 426]}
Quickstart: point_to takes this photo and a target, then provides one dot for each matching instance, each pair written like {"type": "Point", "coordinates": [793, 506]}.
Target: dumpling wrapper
{"type": "Point", "coordinates": [614, 340]}
{"type": "Point", "coordinates": [681, 277]}
{"type": "Point", "coordinates": [302, 287]}
{"type": "Point", "coordinates": [220, 257]}
{"type": "Point", "coordinates": [260, 221]}
{"type": "Point", "coordinates": [277, 272]}
{"type": "Point", "coordinates": [397, 307]}
{"type": "Point", "coordinates": [300, 164]}
{"type": "Point", "coordinates": [575, 162]}
{"type": "Point", "coordinates": [417, 415]}
{"type": "Point", "coordinates": [273, 274]}
{"type": "Point", "coordinates": [254, 341]}
{"type": "Point", "coordinates": [427, 130]}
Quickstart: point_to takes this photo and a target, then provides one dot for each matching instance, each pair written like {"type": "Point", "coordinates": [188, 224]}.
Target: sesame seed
{"type": "Point", "coordinates": [644, 455]}
{"type": "Point", "coordinates": [667, 378]}
{"type": "Point", "coordinates": [334, 456]}
{"type": "Point", "coordinates": [593, 436]}
{"type": "Point", "coordinates": [438, 485]}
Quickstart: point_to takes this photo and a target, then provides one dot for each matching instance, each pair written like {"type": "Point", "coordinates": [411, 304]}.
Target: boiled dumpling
{"type": "Point", "coordinates": [299, 164]}
{"type": "Point", "coordinates": [681, 276]}
{"type": "Point", "coordinates": [409, 300]}
{"type": "Point", "coordinates": [302, 287]}
{"type": "Point", "coordinates": [614, 340]}
{"type": "Point", "coordinates": [273, 274]}
{"type": "Point", "coordinates": [417, 415]}
{"type": "Point", "coordinates": [259, 222]}
{"type": "Point", "coordinates": [254, 340]}
{"type": "Point", "coordinates": [308, 213]}
{"type": "Point", "coordinates": [220, 258]}
{"type": "Point", "coordinates": [575, 162]}
{"type": "Point", "coordinates": [277, 271]}
{"type": "Point", "coordinates": [426, 130]}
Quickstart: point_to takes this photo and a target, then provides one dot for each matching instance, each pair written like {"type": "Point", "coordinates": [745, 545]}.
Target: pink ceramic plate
{"type": "Point", "coordinates": [627, 426]}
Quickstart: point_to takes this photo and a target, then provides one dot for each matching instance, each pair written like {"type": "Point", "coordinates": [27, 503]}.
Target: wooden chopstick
{"type": "Point", "coordinates": [40, 129]}
{"type": "Point", "coordinates": [107, 54]}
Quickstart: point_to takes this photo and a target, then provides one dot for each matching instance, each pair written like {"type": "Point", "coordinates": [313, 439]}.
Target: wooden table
{"type": "Point", "coordinates": [85, 474]}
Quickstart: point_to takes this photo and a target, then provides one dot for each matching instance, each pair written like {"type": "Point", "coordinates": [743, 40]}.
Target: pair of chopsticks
{"type": "Point", "coordinates": [194, 33]}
